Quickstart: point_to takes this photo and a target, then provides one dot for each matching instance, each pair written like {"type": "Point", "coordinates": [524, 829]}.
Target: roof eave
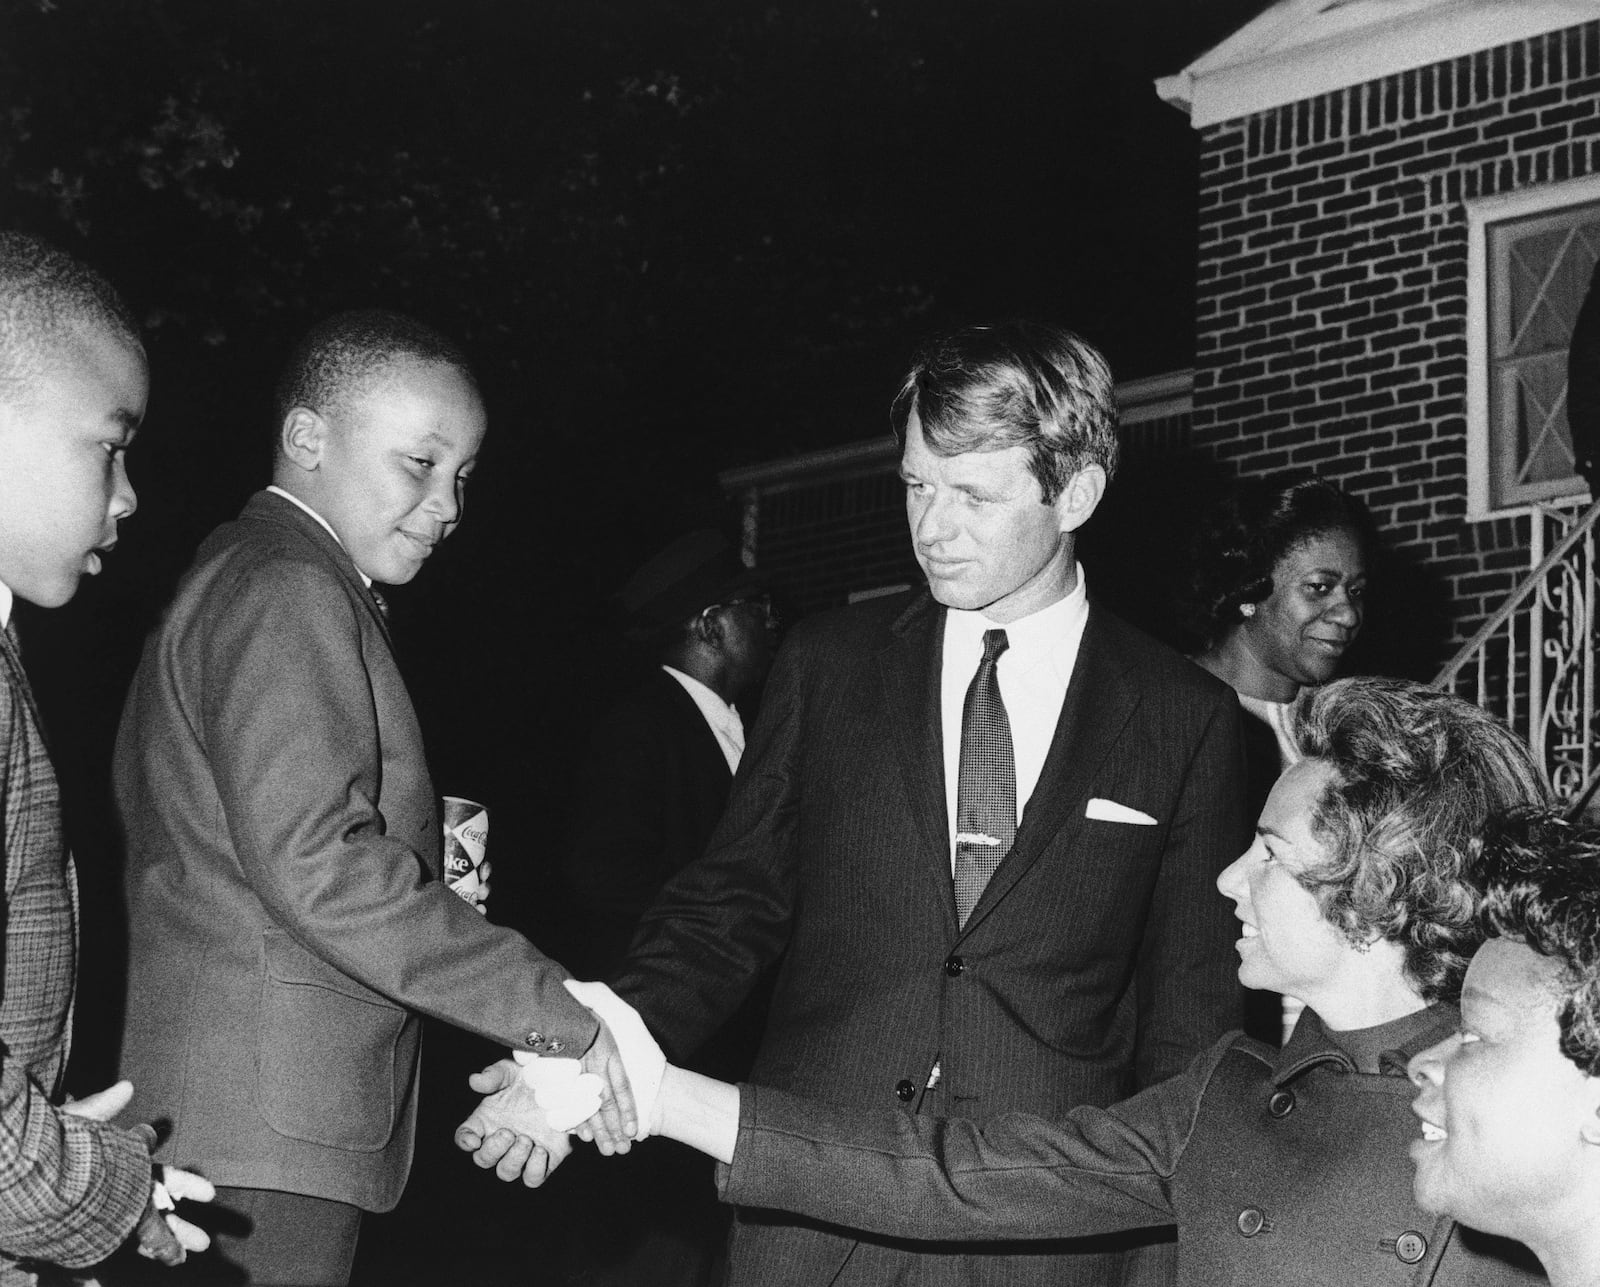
{"type": "Point", "coordinates": [1217, 87]}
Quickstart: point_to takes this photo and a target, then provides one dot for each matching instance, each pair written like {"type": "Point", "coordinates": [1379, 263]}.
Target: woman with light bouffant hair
{"type": "Point", "coordinates": [1276, 1166]}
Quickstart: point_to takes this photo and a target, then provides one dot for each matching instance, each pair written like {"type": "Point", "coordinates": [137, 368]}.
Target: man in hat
{"type": "Point", "coordinates": [656, 778]}
{"type": "Point", "coordinates": [662, 759]}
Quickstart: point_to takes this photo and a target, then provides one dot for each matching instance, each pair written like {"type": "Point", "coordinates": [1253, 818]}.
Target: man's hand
{"type": "Point", "coordinates": [614, 1127]}
{"type": "Point", "coordinates": [508, 1130]}
{"type": "Point", "coordinates": [641, 1056]}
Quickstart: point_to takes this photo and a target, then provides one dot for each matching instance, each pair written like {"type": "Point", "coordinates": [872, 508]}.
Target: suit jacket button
{"type": "Point", "coordinates": [1251, 1222]}
{"type": "Point", "coordinates": [953, 966]}
{"type": "Point", "coordinates": [1410, 1247]}
{"type": "Point", "coordinates": [904, 1090]}
{"type": "Point", "coordinates": [1281, 1104]}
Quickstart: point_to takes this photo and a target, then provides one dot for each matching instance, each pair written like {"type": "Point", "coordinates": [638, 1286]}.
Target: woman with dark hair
{"type": "Point", "coordinates": [1278, 595]}
{"type": "Point", "coordinates": [1277, 1166]}
{"type": "Point", "coordinates": [1510, 1102]}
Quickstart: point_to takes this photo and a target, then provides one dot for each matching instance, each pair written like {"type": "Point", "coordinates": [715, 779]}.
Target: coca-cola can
{"type": "Point", "coordinates": [466, 840]}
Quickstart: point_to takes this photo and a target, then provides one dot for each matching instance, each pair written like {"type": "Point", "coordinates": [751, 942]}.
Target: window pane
{"type": "Point", "coordinates": [1540, 266]}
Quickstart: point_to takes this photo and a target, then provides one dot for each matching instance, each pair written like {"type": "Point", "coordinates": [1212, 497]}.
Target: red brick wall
{"type": "Point", "coordinates": [1332, 290]}
{"type": "Point", "coordinates": [825, 541]}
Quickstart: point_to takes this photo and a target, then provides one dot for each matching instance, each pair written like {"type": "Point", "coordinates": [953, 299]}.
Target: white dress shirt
{"type": "Point", "coordinates": [5, 605]}
{"type": "Point", "coordinates": [722, 718]}
{"type": "Point", "coordinates": [1033, 673]}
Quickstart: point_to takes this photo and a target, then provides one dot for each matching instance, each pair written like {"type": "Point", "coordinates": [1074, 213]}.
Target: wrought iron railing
{"type": "Point", "coordinates": [1532, 662]}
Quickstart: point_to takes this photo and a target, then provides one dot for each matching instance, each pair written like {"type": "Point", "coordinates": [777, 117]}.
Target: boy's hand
{"type": "Point", "coordinates": [479, 897]}
{"type": "Point", "coordinates": [103, 1105]}
{"type": "Point", "coordinates": [162, 1234]}
{"type": "Point", "coordinates": [508, 1130]}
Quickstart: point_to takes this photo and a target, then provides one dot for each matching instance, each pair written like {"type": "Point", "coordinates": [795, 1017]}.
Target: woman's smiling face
{"type": "Point", "coordinates": [1507, 1119]}
{"type": "Point", "coordinates": [1287, 944]}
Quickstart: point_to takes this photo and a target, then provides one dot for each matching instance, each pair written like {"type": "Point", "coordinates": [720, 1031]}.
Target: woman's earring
{"type": "Point", "coordinates": [1247, 609]}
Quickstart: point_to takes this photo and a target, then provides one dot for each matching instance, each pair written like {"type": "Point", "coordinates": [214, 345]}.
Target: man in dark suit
{"type": "Point", "coordinates": [661, 759]}
{"type": "Point", "coordinates": [980, 824]}
{"type": "Point", "coordinates": [650, 793]}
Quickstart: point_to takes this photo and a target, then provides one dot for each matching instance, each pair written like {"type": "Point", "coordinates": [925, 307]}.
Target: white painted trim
{"type": "Point", "coordinates": [1155, 397]}
{"type": "Point", "coordinates": [1253, 71]}
{"type": "Point", "coordinates": [1150, 397]}
{"type": "Point", "coordinates": [1481, 214]}
{"type": "Point", "coordinates": [1477, 365]}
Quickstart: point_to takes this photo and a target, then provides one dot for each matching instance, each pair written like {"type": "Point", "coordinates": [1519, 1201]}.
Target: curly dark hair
{"type": "Point", "coordinates": [1541, 883]}
{"type": "Point", "coordinates": [1417, 776]}
{"type": "Point", "coordinates": [1242, 537]}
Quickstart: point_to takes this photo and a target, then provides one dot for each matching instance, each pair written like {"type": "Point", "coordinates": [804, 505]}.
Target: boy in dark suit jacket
{"type": "Point", "coordinates": [287, 922]}
{"type": "Point", "coordinates": [73, 382]}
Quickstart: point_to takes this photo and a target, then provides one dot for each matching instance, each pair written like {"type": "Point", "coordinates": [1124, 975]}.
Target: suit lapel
{"type": "Point", "coordinates": [909, 666]}
{"type": "Point", "coordinates": [1098, 704]}
{"type": "Point", "coordinates": [710, 764]}
{"type": "Point", "coordinates": [273, 508]}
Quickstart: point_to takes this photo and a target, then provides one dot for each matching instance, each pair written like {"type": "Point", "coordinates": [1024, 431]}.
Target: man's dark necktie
{"type": "Point", "coordinates": [380, 601]}
{"type": "Point", "coordinates": [986, 786]}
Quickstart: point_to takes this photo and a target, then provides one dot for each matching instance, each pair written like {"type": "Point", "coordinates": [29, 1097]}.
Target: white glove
{"type": "Point", "coordinates": [185, 1185]}
{"type": "Point", "coordinates": [641, 1056]}
{"type": "Point", "coordinates": [567, 1096]}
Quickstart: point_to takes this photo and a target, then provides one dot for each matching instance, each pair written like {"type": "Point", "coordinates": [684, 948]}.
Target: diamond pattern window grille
{"type": "Point", "coordinates": [1539, 269]}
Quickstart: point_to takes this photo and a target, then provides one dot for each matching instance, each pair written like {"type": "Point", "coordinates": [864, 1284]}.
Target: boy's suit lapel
{"type": "Point", "coordinates": [272, 508]}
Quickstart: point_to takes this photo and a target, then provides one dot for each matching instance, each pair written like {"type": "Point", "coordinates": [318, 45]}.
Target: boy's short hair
{"type": "Point", "coordinates": [339, 355]}
{"type": "Point", "coordinates": [1541, 881]}
{"type": "Point", "coordinates": [44, 294]}
{"type": "Point", "coordinates": [1015, 384]}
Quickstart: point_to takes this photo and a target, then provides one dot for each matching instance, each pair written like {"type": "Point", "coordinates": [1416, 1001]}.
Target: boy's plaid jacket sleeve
{"type": "Point", "coordinates": [71, 1189]}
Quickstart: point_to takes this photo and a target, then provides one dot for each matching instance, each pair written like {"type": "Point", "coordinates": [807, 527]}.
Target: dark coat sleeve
{"type": "Point", "coordinates": [298, 768]}
{"type": "Point", "coordinates": [1018, 1176]}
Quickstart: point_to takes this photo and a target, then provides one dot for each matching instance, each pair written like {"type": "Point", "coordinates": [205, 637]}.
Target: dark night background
{"type": "Point", "coordinates": [676, 237]}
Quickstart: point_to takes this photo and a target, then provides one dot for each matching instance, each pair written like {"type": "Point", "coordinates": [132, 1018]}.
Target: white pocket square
{"type": "Point", "coordinates": [1111, 811]}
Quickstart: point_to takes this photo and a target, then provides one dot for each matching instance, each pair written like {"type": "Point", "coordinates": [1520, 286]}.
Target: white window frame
{"type": "Point", "coordinates": [1483, 213]}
